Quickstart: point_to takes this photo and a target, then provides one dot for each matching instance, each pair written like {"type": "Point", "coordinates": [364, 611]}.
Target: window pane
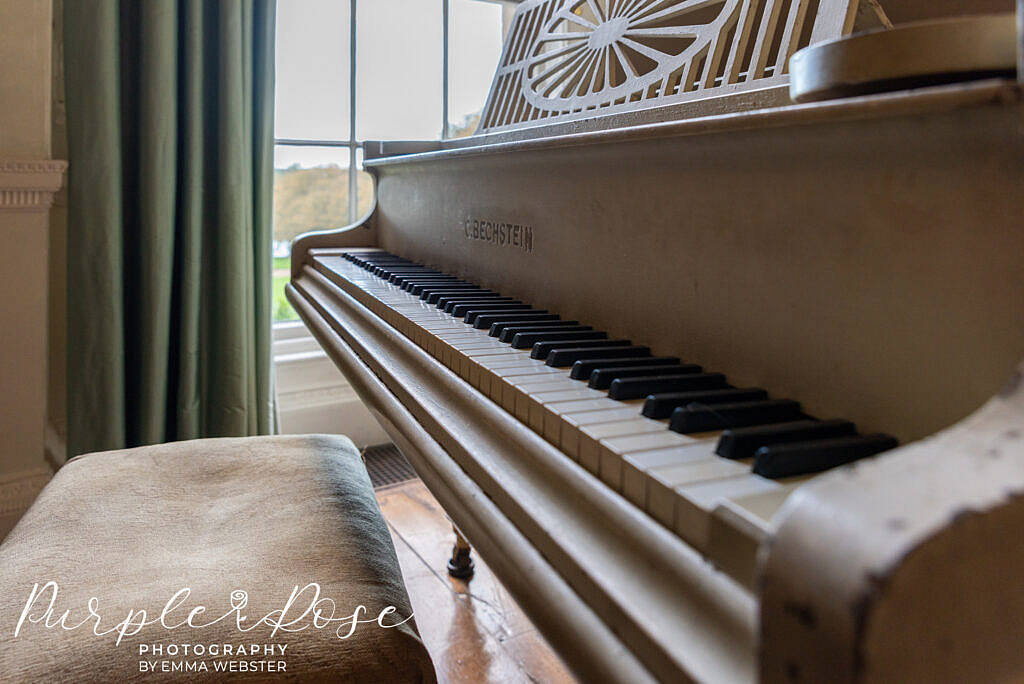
{"type": "Point", "coordinates": [310, 193]}
{"type": "Point", "coordinates": [310, 190]}
{"type": "Point", "coordinates": [474, 46]}
{"type": "Point", "coordinates": [312, 69]}
{"type": "Point", "coordinates": [398, 84]}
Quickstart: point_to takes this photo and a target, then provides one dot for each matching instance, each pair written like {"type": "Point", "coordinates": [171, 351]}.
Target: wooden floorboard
{"type": "Point", "coordinates": [473, 629]}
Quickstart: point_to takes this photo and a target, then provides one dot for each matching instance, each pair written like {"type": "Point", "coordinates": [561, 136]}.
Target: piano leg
{"type": "Point", "coordinates": [460, 565]}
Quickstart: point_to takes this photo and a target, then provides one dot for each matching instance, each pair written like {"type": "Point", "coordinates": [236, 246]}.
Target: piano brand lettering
{"type": "Point", "coordinates": [500, 233]}
{"type": "Point", "coordinates": [304, 608]}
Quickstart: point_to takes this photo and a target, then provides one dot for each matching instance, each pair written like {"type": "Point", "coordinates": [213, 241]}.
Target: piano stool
{"type": "Point", "coordinates": [255, 514]}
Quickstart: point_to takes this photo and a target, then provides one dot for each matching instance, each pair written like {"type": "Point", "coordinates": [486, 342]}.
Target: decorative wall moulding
{"type": "Point", "coordinates": [29, 185]}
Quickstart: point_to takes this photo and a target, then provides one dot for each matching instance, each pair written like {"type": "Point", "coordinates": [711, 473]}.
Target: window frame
{"type": "Point", "coordinates": [352, 144]}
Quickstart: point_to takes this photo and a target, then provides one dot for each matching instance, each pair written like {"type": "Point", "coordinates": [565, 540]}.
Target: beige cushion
{"type": "Point", "coordinates": [260, 515]}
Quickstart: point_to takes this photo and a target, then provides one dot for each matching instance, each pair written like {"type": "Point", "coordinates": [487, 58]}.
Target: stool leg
{"type": "Point", "coordinates": [460, 566]}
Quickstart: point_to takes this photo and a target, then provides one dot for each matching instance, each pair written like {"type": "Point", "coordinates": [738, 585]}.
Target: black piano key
{"type": "Point", "coordinates": [485, 321]}
{"type": "Point", "coordinates": [418, 272]}
{"type": "Point", "coordinates": [473, 314]}
{"type": "Point", "coordinates": [448, 304]}
{"type": "Point", "coordinates": [432, 295]}
{"type": "Point", "coordinates": [525, 340]}
{"type": "Point", "coordinates": [542, 349]}
{"type": "Point", "coordinates": [582, 370]}
{"type": "Point", "coordinates": [407, 281]}
{"type": "Point", "coordinates": [400, 277]}
{"type": "Point", "coordinates": [390, 259]}
{"type": "Point", "coordinates": [602, 378]}
{"type": "Point", "coordinates": [662, 405]}
{"type": "Point", "coordinates": [372, 266]}
{"type": "Point", "coordinates": [563, 357]}
{"type": "Point", "coordinates": [687, 419]}
{"type": "Point", "coordinates": [475, 309]}
{"type": "Point", "coordinates": [407, 284]}
{"type": "Point", "coordinates": [500, 327]}
{"type": "Point", "coordinates": [422, 273]}
{"type": "Point", "coordinates": [637, 388]}
{"type": "Point", "coordinates": [397, 276]}
{"type": "Point", "coordinates": [425, 292]}
{"type": "Point", "coordinates": [370, 256]}
{"type": "Point", "coordinates": [802, 458]}
{"type": "Point", "coordinates": [506, 333]}
{"type": "Point", "coordinates": [378, 263]}
{"type": "Point", "coordinates": [421, 290]}
{"type": "Point", "coordinates": [410, 285]}
{"type": "Point", "coordinates": [461, 310]}
{"type": "Point", "coordinates": [386, 272]}
{"type": "Point", "coordinates": [743, 442]}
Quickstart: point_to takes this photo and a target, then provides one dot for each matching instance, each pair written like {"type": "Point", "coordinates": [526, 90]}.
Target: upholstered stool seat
{"type": "Point", "coordinates": [261, 532]}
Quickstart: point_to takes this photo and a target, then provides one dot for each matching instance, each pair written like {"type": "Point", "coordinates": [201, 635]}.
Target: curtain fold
{"type": "Point", "coordinates": [170, 133]}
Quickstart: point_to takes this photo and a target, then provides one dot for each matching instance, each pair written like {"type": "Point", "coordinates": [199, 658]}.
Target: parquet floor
{"type": "Point", "coordinates": [474, 631]}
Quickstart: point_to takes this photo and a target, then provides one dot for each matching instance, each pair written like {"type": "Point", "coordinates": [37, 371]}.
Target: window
{"type": "Point", "coordinates": [369, 70]}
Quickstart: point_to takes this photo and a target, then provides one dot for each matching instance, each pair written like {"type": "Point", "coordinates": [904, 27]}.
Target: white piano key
{"type": "Point", "coordinates": [548, 416]}
{"type": "Point", "coordinates": [573, 422]}
{"type": "Point", "coordinates": [498, 377]}
{"type": "Point", "coordinates": [662, 483]}
{"type": "Point", "coordinates": [477, 359]}
{"type": "Point", "coordinates": [588, 451]}
{"type": "Point", "coordinates": [526, 392]}
{"type": "Point", "coordinates": [696, 501]}
{"type": "Point", "coordinates": [511, 377]}
{"type": "Point", "coordinates": [737, 527]}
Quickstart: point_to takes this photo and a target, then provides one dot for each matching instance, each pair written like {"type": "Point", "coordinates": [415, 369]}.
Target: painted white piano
{"type": "Point", "coordinates": [721, 386]}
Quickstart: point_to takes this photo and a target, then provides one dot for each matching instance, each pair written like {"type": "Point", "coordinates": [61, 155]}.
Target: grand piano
{"type": "Point", "coordinates": [722, 384]}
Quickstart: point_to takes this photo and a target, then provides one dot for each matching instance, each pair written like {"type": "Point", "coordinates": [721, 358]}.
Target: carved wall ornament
{"type": "Point", "coordinates": [29, 185]}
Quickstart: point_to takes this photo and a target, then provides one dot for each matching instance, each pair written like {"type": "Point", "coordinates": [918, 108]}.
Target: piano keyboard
{"type": "Point", "coordinates": [676, 440]}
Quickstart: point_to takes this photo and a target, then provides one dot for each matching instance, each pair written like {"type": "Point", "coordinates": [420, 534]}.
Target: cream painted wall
{"type": "Point", "coordinates": [25, 48]}
{"type": "Point", "coordinates": [27, 179]}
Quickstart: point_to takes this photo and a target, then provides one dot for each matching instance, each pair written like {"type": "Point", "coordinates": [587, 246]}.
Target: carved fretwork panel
{"type": "Point", "coordinates": [567, 59]}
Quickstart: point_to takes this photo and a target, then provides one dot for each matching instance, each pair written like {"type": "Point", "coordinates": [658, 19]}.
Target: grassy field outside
{"type": "Point", "coordinates": [282, 310]}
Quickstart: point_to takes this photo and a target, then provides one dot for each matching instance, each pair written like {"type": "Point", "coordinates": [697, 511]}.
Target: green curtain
{"type": "Point", "coordinates": [170, 107]}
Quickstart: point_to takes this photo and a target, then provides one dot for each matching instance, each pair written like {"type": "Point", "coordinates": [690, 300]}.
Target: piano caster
{"type": "Point", "coordinates": [460, 565]}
